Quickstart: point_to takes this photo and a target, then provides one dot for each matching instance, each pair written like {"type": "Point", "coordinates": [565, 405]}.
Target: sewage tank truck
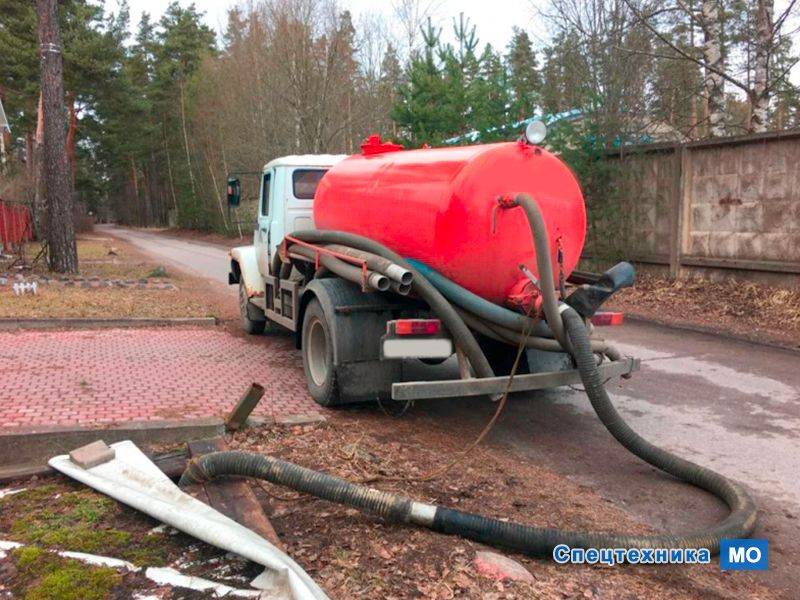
{"type": "Point", "coordinates": [392, 259]}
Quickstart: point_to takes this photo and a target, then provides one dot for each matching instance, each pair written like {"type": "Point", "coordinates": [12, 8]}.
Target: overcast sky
{"type": "Point", "coordinates": [494, 18]}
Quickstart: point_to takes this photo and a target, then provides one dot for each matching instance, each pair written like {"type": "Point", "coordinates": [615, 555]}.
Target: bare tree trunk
{"type": "Point", "coordinates": [169, 172]}
{"type": "Point", "coordinates": [693, 112]}
{"type": "Point", "coordinates": [712, 55]}
{"type": "Point", "coordinates": [216, 191]}
{"type": "Point", "coordinates": [62, 251]}
{"type": "Point", "coordinates": [186, 138]}
{"type": "Point", "coordinates": [760, 97]}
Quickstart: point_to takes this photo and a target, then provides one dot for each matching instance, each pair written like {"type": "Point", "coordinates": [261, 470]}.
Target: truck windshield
{"type": "Point", "coordinates": [305, 182]}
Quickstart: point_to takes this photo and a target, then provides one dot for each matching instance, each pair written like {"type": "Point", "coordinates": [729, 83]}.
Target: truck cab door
{"type": "Point", "coordinates": [262, 237]}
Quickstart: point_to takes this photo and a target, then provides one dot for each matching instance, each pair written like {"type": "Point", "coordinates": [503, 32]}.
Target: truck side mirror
{"type": "Point", "coordinates": [234, 191]}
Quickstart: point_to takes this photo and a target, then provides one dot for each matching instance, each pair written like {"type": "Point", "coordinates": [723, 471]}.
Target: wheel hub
{"type": "Point", "coordinates": [317, 354]}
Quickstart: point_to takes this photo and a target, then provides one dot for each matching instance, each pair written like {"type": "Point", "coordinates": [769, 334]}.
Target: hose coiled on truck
{"type": "Point", "coordinates": [571, 332]}
{"type": "Point", "coordinates": [424, 289]}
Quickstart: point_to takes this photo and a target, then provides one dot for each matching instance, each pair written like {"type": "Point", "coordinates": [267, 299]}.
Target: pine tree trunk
{"type": "Point", "coordinates": [72, 132]}
{"type": "Point", "coordinates": [34, 155]}
{"type": "Point", "coordinates": [760, 98]}
{"type": "Point", "coordinates": [62, 251]}
{"type": "Point", "coordinates": [712, 54]}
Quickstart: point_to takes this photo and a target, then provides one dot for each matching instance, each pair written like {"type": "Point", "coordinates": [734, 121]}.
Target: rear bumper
{"type": "Point", "coordinates": [421, 390]}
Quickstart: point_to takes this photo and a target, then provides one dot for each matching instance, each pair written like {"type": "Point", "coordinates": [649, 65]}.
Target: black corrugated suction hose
{"type": "Point", "coordinates": [531, 540]}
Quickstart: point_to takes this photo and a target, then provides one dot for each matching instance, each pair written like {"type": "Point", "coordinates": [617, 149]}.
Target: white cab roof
{"type": "Point", "coordinates": [305, 160]}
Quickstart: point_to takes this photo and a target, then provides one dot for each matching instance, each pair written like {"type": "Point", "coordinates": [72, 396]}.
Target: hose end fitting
{"type": "Point", "coordinates": [507, 201]}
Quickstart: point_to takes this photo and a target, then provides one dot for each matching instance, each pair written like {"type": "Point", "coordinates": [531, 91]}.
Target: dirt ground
{"type": "Point", "coordinates": [755, 311]}
{"type": "Point", "coordinates": [354, 555]}
{"type": "Point", "coordinates": [350, 554]}
{"type": "Point", "coordinates": [110, 259]}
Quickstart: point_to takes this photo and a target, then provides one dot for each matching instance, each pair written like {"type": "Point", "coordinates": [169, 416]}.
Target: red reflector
{"type": "Point", "coordinates": [607, 318]}
{"type": "Point", "coordinates": [417, 326]}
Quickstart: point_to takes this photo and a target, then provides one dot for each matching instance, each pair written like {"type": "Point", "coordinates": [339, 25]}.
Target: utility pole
{"type": "Point", "coordinates": [60, 230]}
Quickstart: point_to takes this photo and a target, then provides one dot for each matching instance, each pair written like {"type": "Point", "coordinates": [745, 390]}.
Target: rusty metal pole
{"type": "Point", "coordinates": [238, 416]}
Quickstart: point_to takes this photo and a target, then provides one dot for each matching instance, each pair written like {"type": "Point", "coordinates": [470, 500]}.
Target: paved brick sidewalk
{"type": "Point", "coordinates": [115, 375]}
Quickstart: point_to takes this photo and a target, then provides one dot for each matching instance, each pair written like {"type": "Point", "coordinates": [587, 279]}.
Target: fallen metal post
{"type": "Point", "coordinates": [238, 416]}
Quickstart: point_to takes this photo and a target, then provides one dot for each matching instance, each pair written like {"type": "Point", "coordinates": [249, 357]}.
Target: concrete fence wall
{"type": "Point", "coordinates": [718, 207]}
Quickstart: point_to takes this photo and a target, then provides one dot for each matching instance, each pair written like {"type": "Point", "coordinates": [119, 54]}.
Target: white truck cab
{"type": "Point", "coordinates": [285, 204]}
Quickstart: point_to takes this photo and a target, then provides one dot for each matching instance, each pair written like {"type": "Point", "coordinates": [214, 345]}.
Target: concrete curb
{"type": "Point", "coordinates": [34, 445]}
{"type": "Point", "coordinates": [24, 451]}
{"type": "Point", "coordinates": [710, 331]}
{"type": "Point", "coordinates": [104, 323]}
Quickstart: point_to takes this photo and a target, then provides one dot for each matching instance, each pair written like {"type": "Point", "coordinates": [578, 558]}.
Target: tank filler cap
{"type": "Point", "coordinates": [375, 145]}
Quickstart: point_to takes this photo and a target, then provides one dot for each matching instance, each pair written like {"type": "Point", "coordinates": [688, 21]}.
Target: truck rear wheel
{"type": "Point", "coordinates": [251, 325]}
{"type": "Point", "coordinates": [317, 348]}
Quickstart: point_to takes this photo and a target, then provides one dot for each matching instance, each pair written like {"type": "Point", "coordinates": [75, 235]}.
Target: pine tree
{"type": "Point", "coordinates": [419, 111]}
{"type": "Point", "coordinates": [62, 253]}
{"type": "Point", "coordinates": [524, 80]}
{"type": "Point", "coordinates": [182, 42]}
{"type": "Point", "coordinates": [491, 101]}
{"type": "Point", "coordinates": [19, 66]}
{"type": "Point", "coordinates": [391, 79]}
{"type": "Point", "coordinates": [566, 75]}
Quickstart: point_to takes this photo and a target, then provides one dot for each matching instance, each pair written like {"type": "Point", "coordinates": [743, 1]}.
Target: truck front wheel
{"type": "Point", "coordinates": [317, 348]}
{"type": "Point", "coordinates": [251, 325]}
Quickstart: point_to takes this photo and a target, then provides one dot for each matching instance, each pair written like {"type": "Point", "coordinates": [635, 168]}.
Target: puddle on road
{"type": "Point", "coordinates": [714, 373]}
{"type": "Point", "coordinates": [767, 463]}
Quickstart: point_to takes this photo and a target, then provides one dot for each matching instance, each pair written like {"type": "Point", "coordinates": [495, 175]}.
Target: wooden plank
{"type": "Point", "coordinates": [683, 231]}
{"type": "Point", "coordinates": [234, 497]}
{"type": "Point", "coordinates": [741, 264]}
{"type": "Point", "coordinates": [172, 465]}
{"type": "Point", "coordinates": [679, 206]}
{"type": "Point", "coordinates": [238, 416]}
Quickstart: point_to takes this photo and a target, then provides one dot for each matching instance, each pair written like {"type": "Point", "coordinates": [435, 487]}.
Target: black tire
{"type": "Point", "coordinates": [249, 324]}
{"type": "Point", "coordinates": [317, 349]}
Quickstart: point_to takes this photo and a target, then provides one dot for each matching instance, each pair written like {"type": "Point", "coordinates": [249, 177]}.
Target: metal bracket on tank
{"type": "Point", "coordinates": [502, 202]}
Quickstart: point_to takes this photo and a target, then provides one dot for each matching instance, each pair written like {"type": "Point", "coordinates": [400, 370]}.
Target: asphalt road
{"type": "Point", "coordinates": [204, 260]}
{"type": "Point", "coordinates": [733, 406]}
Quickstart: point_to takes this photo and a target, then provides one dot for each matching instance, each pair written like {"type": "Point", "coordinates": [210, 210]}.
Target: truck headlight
{"type": "Point", "coordinates": [535, 132]}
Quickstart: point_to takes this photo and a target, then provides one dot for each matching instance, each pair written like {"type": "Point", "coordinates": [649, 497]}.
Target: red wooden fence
{"type": "Point", "coordinates": [15, 224]}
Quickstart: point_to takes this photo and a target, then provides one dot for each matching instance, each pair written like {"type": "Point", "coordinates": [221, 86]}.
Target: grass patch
{"type": "Point", "coordinates": [81, 521]}
{"type": "Point", "coordinates": [46, 576]}
{"type": "Point", "coordinates": [57, 301]}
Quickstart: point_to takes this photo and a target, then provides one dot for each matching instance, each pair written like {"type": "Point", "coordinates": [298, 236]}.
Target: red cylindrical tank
{"type": "Point", "coordinates": [438, 206]}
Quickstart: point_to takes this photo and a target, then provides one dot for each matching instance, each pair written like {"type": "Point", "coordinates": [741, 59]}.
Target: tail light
{"type": "Point", "coordinates": [607, 318]}
{"type": "Point", "coordinates": [417, 326]}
